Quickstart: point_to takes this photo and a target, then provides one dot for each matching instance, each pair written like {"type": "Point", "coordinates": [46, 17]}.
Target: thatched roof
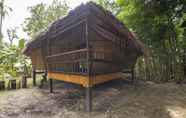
{"type": "Point", "coordinates": [35, 43]}
{"type": "Point", "coordinates": [80, 11]}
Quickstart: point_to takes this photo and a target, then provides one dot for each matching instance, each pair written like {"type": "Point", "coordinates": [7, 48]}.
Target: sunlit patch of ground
{"type": "Point", "coordinates": [116, 99]}
{"type": "Point", "coordinates": [177, 112]}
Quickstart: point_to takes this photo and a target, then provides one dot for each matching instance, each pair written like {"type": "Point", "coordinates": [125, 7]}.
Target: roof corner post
{"type": "Point", "coordinates": [88, 99]}
{"type": "Point", "coordinates": [88, 93]}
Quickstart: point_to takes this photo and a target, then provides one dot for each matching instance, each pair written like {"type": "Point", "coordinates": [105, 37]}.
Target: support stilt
{"type": "Point", "coordinates": [88, 99]}
{"type": "Point", "coordinates": [34, 76]}
{"type": "Point", "coordinates": [51, 85]}
{"type": "Point", "coordinates": [132, 76]}
{"type": "Point", "coordinates": [45, 77]}
{"type": "Point", "coordinates": [24, 82]}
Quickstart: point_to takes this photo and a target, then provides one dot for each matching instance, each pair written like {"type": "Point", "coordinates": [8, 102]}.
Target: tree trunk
{"type": "Point", "coordinates": [1, 19]}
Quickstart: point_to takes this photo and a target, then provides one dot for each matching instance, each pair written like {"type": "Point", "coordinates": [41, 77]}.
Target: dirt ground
{"type": "Point", "coordinates": [115, 99]}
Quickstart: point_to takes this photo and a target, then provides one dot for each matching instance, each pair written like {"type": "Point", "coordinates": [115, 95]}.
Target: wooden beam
{"type": "Point", "coordinates": [84, 79]}
{"type": "Point", "coordinates": [104, 33]}
{"type": "Point", "coordinates": [69, 52]}
{"type": "Point", "coordinates": [70, 73]}
{"type": "Point", "coordinates": [88, 99]}
{"type": "Point", "coordinates": [127, 71]}
{"type": "Point", "coordinates": [45, 76]}
{"type": "Point", "coordinates": [24, 82]}
{"type": "Point", "coordinates": [39, 72]}
{"type": "Point", "coordinates": [72, 78]}
{"type": "Point", "coordinates": [104, 61]}
{"type": "Point", "coordinates": [88, 96]}
{"type": "Point", "coordinates": [98, 79]}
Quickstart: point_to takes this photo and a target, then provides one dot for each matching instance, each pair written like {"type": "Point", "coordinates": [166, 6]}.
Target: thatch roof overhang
{"type": "Point", "coordinates": [34, 44]}
{"type": "Point", "coordinates": [76, 16]}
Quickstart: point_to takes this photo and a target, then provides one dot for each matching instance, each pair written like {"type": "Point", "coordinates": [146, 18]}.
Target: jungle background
{"type": "Point", "coordinates": [159, 24]}
{"type": "Point", "coordinates": [161, 92]}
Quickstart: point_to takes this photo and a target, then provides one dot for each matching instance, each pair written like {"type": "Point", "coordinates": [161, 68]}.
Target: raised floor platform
{"type": "Point", "coordinates": [84, 80]}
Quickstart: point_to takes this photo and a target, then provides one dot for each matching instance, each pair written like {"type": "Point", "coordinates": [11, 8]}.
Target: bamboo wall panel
{"type": "Point", "coordinates": [37, 59]}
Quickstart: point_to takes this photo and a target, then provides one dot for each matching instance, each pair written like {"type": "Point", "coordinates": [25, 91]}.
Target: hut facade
{"type": "Point", "coordinates": [88, 47]}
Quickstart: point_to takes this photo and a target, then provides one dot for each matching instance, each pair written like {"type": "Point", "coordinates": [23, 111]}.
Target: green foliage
{"type": "Point", "coordinates": [109, 5]}
{"type": "Point", "coordinates": [12, 61]}
{"type": "Point", "coordinates": [42, 15]}
{"type": "Point", "coordinates": [4, 10]}
{"type": "Point", "coordinates": [21, 43]}
{"type": "Point", "coordinates": [157, 24]}
{"type": "Point", "coordinates": [10, 56]}
{"type": "Point", "coordinates": [12, 34]}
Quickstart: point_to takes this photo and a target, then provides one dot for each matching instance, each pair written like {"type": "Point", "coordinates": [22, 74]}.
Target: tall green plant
{"type": "Point", "coordinates": [4, 10]}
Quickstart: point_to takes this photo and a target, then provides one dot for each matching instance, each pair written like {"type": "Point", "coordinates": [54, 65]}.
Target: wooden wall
{"type": "Point", "coordinates": [37, 59]}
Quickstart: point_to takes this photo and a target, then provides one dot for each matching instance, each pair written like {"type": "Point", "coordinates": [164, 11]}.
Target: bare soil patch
{"type": "Point", "coordinates": [115, 99]}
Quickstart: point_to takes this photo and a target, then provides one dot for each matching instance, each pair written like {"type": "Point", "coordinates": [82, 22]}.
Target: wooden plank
{"type": "Point", "coordinates": [64, 62]}
{"type": "Point", "coordinates": [105, 78]}
{"type": "Point", "coordinates": [37, 59]}
{"type": "Point", "coordinates": [71, 73]}
{"type": "Point", "coordinates": [84, 80]}
{"type": "Point", "coordinates": [76, 79]}
{"type": "Point", "coordinates": [39, 72]}
{"type": "Point", "coordinates": [88, 99]}
{"type": "Point", "coordinates": [69, 52]}
{"type": "Point", "coordinates": [103, 33]}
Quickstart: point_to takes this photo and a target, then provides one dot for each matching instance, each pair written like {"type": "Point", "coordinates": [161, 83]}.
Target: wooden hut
{"type": "Point", "coordinates": [87, 47]}
{"type": "Point", "coordinates": [34, 50]}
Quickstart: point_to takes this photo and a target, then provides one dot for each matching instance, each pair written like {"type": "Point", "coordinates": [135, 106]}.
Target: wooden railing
{"type": "Point", "coordinates": [77, 54]}
{"type": "Point", "coordinates": [74, 61]}
{"type": "Point", "coordinates": [71, 62]}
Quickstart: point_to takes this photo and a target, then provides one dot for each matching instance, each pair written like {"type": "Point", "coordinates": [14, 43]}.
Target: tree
{"type": "Point", "coordinates": [4, 10]}
{"type": "Point", "coordinates": [157, 24]}
{"type": "Point", "coordinates": [10, 56]}
{"type": "Point", "coordinates": [12, 34]}
{"type": "Point", "coordinates": [42, 16]}
{"type": "Point", "coordinates": [109, 5]}
{"type": "Point", "coordinates": [12, 60]}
